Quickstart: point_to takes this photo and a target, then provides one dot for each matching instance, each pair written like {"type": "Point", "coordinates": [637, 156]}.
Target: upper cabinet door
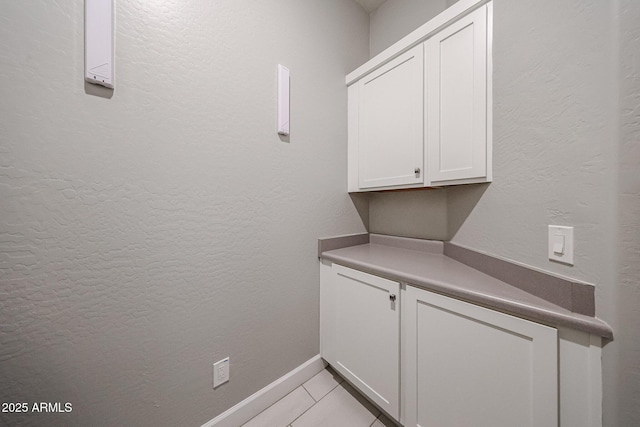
{"type": "Point", "coordinates": [391, 123]}
{"type": "Point", "coordinates": [456, 100]}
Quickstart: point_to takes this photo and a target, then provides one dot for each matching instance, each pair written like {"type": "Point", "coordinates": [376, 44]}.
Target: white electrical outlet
{"type": "Point", "coordinates": [220, 372]}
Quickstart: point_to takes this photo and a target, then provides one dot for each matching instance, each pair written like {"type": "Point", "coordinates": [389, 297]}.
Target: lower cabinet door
{"type": "Point", "coordinates": [465, 365]}
{"type": "Point", "coordinates": [367, 335]}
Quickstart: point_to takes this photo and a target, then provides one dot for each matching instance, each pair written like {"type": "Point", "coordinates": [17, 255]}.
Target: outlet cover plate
{"type": "Point", "coordinates": [220, 372]}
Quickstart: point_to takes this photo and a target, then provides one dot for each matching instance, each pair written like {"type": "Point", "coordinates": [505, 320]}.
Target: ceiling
{"type": "Point", "coordinates": [370, 5]}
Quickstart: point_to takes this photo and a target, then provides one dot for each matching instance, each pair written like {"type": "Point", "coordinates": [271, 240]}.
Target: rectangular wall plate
{"type": "Point", "coordinates": [220, 372]}
{"type": "Point", "coordinates": [561, 244]}
{"type": "Point", "coordinates": [283, 100]}
{"type": "Point", "coordinates": [99, 18]}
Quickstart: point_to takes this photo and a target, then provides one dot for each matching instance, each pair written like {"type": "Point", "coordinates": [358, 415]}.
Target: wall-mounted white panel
{"type": "Point", "coordinates": [99, 42]}
{"type": "Point", "coordinates": [283, 100]}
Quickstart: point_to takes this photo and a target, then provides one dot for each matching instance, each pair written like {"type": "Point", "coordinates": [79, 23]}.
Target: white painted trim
{"type": "Point", "coordinates": [404, 353]}
{"type": "Point", "coordinates": [580, 380]}
{"type": "Point", "coordinates": [353, 137]}
{"type": "Point", "coordinates": [455, 12]}
{"type": "Point", "coordinates": [327, 312]}
{"type": "Point", "coordinates": [262, 399]}
{"type": "Point", "coordinates": [489, 175]}
{"type": "Point", "coordinates": [595, 381]}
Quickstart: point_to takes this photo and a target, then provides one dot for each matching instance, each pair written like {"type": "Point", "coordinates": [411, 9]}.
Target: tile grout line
{"type": "Point", "coordinates": [377, 419]}
{"type": "Point", "coordinates": [278, 401]}
{"type": "Point", "coordinates": [339, 383]}
{"type": "Point", "coordinates": [332, 388]}
{"type": "Point", "coordinates": [310, 395]}
{"type": "Point", "coordinates": [316, 402]}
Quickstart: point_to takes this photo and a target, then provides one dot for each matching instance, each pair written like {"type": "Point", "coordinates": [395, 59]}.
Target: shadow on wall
{"type": "Point", "coordinates": [461, 200]}
{"type": "Point", "coordinates": [361, 203]}
{"type": "Point", "coordinates": [417, 213]}
{"type": "Point", "coordinates": [428, 213]}
{"type": "Point", "coordinates": [97, 90]}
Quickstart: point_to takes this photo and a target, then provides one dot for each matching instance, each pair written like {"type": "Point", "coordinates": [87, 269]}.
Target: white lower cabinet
{"type": "Point", "coordinates": [433, 361]}
{"type": "Point", "coordinates": [363, 334]}
{"type": "Point", "coordinates": [470, 366]}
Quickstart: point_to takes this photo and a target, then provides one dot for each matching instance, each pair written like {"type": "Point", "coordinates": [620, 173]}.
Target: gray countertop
{"type": "Point", "coordinates": [436, 272]}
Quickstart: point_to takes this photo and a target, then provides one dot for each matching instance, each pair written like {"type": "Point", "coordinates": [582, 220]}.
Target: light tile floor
{"type": "Point", "coordinates": [323, 401]}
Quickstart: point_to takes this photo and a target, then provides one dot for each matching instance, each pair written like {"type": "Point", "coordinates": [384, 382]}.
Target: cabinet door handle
{"type": "Point", "coordinates": [417, 171]}
{"type": "Point", "coordinates": [392, 297]}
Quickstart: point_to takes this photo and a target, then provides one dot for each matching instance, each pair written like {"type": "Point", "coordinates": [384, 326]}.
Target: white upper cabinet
{"type": "Point", "coordinates": [390, 108]}
{"type": "Point", "coordinates": [420, 112]}
{"type": "Point", "coordinates": [456, 101]}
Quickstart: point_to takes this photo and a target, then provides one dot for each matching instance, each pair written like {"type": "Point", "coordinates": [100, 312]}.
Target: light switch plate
{"type": "Point", "coordinates": [561, 244]}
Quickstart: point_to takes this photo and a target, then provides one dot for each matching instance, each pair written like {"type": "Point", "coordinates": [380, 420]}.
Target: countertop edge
{"type": "Point", "coordinates": [576, 321]}
{"type": "Point", "coordinates": [342, 241]}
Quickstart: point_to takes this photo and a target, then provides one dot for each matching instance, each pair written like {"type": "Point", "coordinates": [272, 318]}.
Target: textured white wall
{"type": "Point", "coordinates": [623, 405]}
{"type": "Point", "coordinates": [395, 19]}
{"type": "Point", "coordinates": [145, 236]}
{"type": "Point", "coordinates": [420, 214]}
{"type": "Point", "coordinates": [554, 160]}
{"type": "Point", "coordinates": [554, 147]}
{"type": "Point", "coordinates": [565, 152]}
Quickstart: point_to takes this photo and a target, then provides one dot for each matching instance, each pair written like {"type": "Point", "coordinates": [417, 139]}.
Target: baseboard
{"type": "Point", "coordinates": [262, 399]}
